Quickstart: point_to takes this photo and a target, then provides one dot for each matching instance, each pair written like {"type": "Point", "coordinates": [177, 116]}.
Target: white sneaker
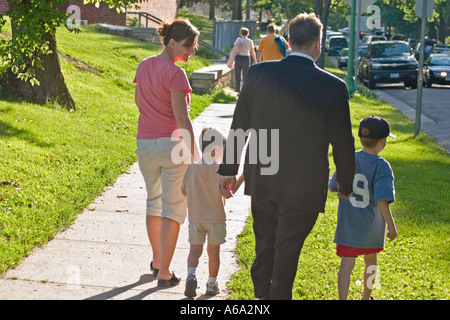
{"type": "Point", "coordinates": [212, 288]}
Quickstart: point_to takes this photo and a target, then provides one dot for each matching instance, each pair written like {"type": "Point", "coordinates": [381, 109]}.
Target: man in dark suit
{"type": "Point", "coordinates": [296, 109]}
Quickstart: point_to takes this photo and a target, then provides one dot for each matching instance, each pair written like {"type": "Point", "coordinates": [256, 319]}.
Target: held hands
{"type": "Point", "coordinates": [227, 185]}
{"type": "Point", "coordinates": [342, 195]}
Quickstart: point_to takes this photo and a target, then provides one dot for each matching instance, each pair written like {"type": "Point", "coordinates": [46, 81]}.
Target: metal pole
{"type": "Point", "coordinates": [349, 78]}
{"type": "Point", "coordinates": [357, 42]}
{"type": "Point", "coordinates": [420, 71]}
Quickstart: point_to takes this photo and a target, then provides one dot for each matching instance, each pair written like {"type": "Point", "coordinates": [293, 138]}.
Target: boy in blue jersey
{"type": "Point", "coordinates": [362, 218]}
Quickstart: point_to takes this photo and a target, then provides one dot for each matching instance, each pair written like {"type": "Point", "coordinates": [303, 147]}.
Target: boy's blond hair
{"type": "Point", "coordinates": [204, 143]}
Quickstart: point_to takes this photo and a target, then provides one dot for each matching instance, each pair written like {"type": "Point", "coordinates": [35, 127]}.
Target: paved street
{"type": "Point", "coordinates": [435, 108]}
{"type": "Point", "coordinates": [435, 119]}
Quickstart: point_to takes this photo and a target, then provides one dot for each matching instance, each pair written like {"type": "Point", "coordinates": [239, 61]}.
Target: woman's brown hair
{"type": "Point", "coordinates": [179, 29]}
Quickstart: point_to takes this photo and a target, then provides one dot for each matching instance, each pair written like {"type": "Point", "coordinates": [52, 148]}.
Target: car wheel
{"type": "Point", "coordinates": [412, 84]}
{"type": "Point", "coordinates": [371, 84]}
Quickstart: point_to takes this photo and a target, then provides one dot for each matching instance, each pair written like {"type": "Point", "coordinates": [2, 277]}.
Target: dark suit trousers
{"type": "Point", "coordinates": [280, 231]}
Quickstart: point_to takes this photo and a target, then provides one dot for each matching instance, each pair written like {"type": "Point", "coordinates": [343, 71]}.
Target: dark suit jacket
{"type": "Point", "coordinates": [310, 108]}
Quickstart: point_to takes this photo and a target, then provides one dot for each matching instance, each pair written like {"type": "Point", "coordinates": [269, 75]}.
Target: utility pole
{"type": "Point", "coordinates": [350, 77]}
{"type": "Point", "coordinates": [424, 15]}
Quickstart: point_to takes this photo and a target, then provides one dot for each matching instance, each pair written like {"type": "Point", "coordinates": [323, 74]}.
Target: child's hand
{"type": "Point", "coordinates": [343, 195]}
{"type": "Point", "coordinates": [392, 233]}
{"type": "Point", "coordinates": [227, 186]}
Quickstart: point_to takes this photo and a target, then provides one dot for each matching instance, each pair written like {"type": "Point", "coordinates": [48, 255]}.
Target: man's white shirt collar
{"type": "Point", "coordinates": [295, 53]}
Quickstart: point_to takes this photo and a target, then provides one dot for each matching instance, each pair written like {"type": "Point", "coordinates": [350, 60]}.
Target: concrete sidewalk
{"type": "Point", "coordinates": [105, 254]}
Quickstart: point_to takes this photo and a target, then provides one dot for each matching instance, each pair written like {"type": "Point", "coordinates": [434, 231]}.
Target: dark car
{"type": "Point", "coordinates": [437, 70]}
{"type": "Point", "coordinates": [440, 48]}
{"type": "Point", "coordinates": [335, 44]}
{"type": "Point", "coordinates": [342, 58]}
{"type": "Point", "coordinates": [388, 62]}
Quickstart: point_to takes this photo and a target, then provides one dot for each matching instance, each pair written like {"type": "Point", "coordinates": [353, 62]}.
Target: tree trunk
{"type": "Point", "coordinates": [237, 10]}
{"type": "Point", "coordinates": [212, 9]}
{"type": "Point", "coordinates": [248, 10]}
{"type": "Point", "coordinates": [322, 9]}
{"type": "Point", "coordinates": [52, 86]}
{"type": "Point", "coordinates": [442, 30]}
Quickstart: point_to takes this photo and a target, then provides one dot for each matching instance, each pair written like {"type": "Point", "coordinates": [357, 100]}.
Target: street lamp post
{"type": "Point", "coordinates": [350, 77]}
{"type": "Point", "coordinates": [420, 71]}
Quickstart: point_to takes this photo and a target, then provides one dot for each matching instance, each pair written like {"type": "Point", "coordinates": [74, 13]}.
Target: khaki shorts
{"type": "Point", "coordinates": [163, 178]}
{"type": "Point", "coordinates": [216, 233]}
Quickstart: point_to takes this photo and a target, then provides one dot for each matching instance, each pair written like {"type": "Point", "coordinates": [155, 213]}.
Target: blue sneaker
{"type": "Point", "coordinates": [191, 286]}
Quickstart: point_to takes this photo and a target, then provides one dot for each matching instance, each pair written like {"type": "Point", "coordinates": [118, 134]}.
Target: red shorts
{"type": "Point", "coordinates": [344, 251]}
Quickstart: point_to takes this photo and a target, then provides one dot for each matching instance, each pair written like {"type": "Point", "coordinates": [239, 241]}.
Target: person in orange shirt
{"type": "Point", "coordinates": [268, 48]}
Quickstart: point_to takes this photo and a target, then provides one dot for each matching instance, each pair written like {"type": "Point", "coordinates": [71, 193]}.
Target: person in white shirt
{"type": "Point", "coordinates": [242, 60]}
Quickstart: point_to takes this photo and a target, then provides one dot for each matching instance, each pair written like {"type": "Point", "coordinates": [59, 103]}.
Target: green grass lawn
{"type": "Point", "coordinates": [54, 162]}
{"type": "Point", "coordinates": [415, 265]}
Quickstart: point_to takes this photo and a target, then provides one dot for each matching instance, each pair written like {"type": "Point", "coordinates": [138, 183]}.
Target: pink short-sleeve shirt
{"type": "Point", "coordinates": [157, 78]}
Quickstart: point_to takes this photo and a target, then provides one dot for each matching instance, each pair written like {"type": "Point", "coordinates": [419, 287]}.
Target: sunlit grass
{"type": "Point", "coordinates": [415, 266]}
{"type": "Point", "coordinates": [54, 162]}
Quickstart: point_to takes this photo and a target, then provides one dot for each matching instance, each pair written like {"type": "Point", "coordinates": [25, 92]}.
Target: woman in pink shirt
{"type": "Point", "coordinates": [162, 96]}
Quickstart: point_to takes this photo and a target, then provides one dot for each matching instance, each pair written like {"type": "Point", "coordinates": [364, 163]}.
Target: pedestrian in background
{"type": "Point", "coordinates": [269, 46]}
{"type": "Point", "coordinates": [245, 48]}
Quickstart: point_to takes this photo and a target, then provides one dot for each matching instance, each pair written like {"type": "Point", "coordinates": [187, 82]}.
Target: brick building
{"type": "Point", "coordinates": [103, 14]}
{"type": "Point", "coordinates": [3, 7]}
{"type": "Point", "coordinates": [162, 9]}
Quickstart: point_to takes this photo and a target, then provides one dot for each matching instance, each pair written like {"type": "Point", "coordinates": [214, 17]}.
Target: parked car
{"type": "Point", "coordinates": [440, 48]}
{"type": "Point", "coordinates": [335, 44]}
{"type": "Point", "coordinates": [388, 62]}
{"type": "Point", "coordinates": [331, 33]}
{"type": "Point", "coordinates": [398, 37]}
{"type": "Point", "coordinates": [437, 70]}
{"type": "Point", "coordinates": [361, 49]}
{"type": "Point", "coordinates": [413, 43]}
{"type": "Point", "coordinates": [342, 58]}
{"type": "Point", "coordinates": [429, 44]}
{"type": "Point", "coordinates": [375, 38]}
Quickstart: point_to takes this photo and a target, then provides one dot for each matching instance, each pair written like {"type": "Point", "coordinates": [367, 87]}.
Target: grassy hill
{"type": "Point", "coordinates": [54, 162]}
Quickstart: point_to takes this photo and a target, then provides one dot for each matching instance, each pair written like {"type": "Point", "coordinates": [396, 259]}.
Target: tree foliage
{"type": "Point", "coordinates": [401, 16]}
{"type": "Point", "coordinates": [30, 21]}
{"type": "Point", "coordinates": [30, 54]}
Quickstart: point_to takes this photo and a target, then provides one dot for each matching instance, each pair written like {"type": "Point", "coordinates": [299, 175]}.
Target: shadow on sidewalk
{"type": "Point", "coordinates": [146, 278]}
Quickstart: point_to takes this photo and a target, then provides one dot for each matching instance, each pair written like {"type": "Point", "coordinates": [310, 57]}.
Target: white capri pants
{"type": "Point", "coordinates": [163, 178]}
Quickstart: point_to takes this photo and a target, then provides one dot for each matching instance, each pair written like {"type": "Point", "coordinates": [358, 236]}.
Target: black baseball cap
{"type": "Point", "coordinates": [375, 128]}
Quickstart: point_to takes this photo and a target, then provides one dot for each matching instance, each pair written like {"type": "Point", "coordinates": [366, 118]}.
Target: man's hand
{"type": "Point", "coordinates": [343, 195]}
{"type": "Point", "coordinates": [227, 186]}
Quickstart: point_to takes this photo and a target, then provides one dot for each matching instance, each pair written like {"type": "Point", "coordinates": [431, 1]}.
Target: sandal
{"type": "Point", "coordinates": [170, 282]}
{"type": "Point", "coordinates": [155, 271]}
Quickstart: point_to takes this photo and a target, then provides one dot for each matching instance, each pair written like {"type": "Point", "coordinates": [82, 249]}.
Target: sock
{"type": "Point", "coordinates": [212, 280]}
{"type": "Point", "coordinates": [192, 271]}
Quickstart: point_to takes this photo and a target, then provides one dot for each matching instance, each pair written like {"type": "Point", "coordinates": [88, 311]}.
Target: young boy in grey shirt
{"type": "Point", "coordinates": [206, 212]}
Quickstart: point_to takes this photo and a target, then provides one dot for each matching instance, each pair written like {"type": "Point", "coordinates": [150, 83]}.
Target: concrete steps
{"type": "Point", "coordinates": [145, 34]}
